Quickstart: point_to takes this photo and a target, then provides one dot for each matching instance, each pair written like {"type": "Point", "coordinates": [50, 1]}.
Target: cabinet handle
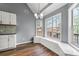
{"type": "Point", "coordinates": [8, 39]}
{"type": "Point", "coordinates": [8, 42]}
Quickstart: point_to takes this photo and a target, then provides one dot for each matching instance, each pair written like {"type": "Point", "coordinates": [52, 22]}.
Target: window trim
{"type": "Point", "coordinates": [70, 24]}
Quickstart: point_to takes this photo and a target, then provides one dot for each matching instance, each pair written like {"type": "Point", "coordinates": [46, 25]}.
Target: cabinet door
{"type": "Point", "coordinates": [3, 42]}
{"type": "Point", "coordinates": [13, 19]}
{"type": "Point", "coordinates": [5, 18]}
{"type": "Point", "coordinates": [0, 17]}
{"type": "Point", "coordinates": [12, 41]}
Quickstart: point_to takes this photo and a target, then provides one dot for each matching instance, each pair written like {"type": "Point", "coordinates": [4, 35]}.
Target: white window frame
{"type": "Point", "coordinates": [36, 26]}
{"type": "Point", "coordinates": [70, 25]}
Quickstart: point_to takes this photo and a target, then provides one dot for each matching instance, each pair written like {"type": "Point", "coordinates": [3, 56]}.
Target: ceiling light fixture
{"type": "Point", "coordinates": [38, 15]}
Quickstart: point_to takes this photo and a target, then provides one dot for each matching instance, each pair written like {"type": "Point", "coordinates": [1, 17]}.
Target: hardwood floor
{"type": "Point", "coordinates": [29, 49]}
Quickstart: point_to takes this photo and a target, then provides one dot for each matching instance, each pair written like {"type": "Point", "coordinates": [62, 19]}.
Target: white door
{"type": "Point", "coordinates": [3, 42]}
{"type": "Point", "coordinates": [12, 41]}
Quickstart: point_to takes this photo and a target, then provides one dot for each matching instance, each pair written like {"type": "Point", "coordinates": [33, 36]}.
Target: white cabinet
{"type": "Point", "coordinates": [7, 18]}
{"type": "Point", "coordinates": [7, 42]}
{"type": "Point", "coordinates": [3, 42]}
{"type": "Point", "coordinates": [12, 41]}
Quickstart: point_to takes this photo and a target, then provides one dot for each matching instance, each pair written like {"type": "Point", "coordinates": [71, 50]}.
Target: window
{"type": "Point", "coordinates": [53, 26]}
{"type": "Point", "coordinates": [75, 40]}
{"type": "Point", "coordinates": [39, 28]}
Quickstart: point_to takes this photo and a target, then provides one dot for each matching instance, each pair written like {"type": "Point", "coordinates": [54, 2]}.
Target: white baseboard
{"type": "Point", "coordinates": [7, 49]}
{"type": "Point", "coordinates": [23, 42]}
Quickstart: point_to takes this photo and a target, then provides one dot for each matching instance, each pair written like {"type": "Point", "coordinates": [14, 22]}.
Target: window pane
{"type": "Point", "coordinates": [54, 21]}
{"type": "Point", "coordinates": [56, 25]}
{"type": "Point", "coordinates": [75, 40]}
{"type": "Point", "coordinates": [49, 27]}
{"type": "Point", "coordinates": [39, 28]}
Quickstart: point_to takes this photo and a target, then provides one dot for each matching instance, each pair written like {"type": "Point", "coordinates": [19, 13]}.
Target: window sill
{"type": "Point", "coordinates": [74, 46]}
{"type": "Point", "coordinates": [66, 48]}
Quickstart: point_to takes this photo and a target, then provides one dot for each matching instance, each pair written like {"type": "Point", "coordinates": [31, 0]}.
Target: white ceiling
{"type": "Point", "coordinates": [36, 7]}
{"type": "Point", "coordinates": [52, 8]}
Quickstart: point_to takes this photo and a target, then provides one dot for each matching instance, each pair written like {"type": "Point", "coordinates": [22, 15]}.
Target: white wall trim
{"type": "Point", "coordinates": [70, 28]}
{"type": "Point", "coordinates": [70, 22]}
{"type": "Point", "coordinates": [23, 42]}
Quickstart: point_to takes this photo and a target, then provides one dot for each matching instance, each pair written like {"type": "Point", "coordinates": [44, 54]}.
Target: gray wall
{"type": "Point", "coordinates": [64, 11]}
{"type": "Point", "coordinates": [25, 28]}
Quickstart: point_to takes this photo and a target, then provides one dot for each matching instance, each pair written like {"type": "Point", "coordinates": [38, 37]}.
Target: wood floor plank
{"type": "Point", "coordinates": [29, 49]}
